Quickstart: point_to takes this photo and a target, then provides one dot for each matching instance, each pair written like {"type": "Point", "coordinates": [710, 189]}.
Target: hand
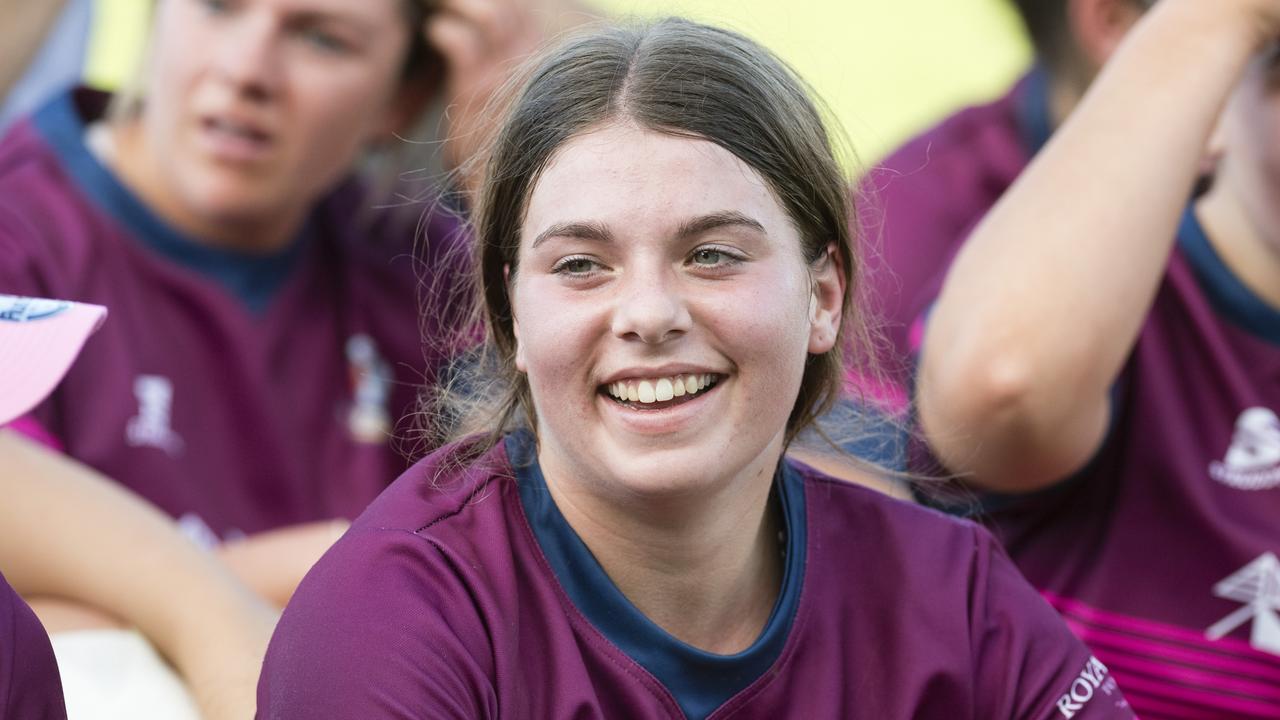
{"type": "Point", "coordinates": [483, 42]}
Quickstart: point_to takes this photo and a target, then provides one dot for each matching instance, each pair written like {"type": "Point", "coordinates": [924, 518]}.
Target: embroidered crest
{"type": "Point", "coordinates": [152, 427]}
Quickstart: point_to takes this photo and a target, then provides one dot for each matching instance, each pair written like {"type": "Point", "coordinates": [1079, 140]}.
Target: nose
{"type": "Point", "coordinates": [651, 308]}
{"type": "Point", "coordinates": [248, 57]}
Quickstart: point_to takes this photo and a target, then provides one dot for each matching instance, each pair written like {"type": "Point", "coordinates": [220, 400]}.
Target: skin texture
{"type": "Point", "coordinates": [1044, 304]}
{"type": "Point", "coordinates": [673, 502]}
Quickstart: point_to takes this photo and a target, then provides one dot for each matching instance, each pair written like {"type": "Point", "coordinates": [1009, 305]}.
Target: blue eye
{"type": "Point", "coordinates": [216, 6]}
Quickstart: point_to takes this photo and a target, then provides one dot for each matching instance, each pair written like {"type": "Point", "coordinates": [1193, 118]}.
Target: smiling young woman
{"type": "Point", "coordinates": [665, 266]}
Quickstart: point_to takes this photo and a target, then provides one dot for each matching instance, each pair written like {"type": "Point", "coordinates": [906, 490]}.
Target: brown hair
{"type": "Point", "coordinates": [671, 76]}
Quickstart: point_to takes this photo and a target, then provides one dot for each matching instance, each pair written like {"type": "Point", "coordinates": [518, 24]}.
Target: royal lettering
{"type": "Point", "coordinates": [1083, 688]}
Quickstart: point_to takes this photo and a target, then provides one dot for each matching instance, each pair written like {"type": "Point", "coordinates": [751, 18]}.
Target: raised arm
{"type": "Point", "coordinates": [1045, 302]}
{"type": "Point", "coordinates": [74, 535]}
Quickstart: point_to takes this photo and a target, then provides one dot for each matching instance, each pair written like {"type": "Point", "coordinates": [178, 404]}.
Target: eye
{"type": "Point", "coordinates": [709, 257]}
{"type": "Point", "coordinates": [576, 265]}
{"type": "Point", "coordinates": [323, 40]}
{"type": "Point", "coordinates": [214, 7]}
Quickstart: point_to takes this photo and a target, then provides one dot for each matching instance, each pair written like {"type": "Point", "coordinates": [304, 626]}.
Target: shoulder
{"type": "Point", "coordinates": [29, 682]}
{"type": "Point", "coordinates": [48, 227]}
{"type": "Point", "coordinates": [459, 479]}
{"type": "Point", "coordinates": [399, 612]}
{"type": "Point", "coordinates": [981, 140]}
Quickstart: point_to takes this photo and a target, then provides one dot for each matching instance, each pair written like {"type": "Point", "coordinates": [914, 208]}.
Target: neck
{"type": "Point", "coordinates": [125, 149]}
{"type": "Point", "coordinates": [706, 570]}
{"type": "Point", "coordinates": [1240, 239]}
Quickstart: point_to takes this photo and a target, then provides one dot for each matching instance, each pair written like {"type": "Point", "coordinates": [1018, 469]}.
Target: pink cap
{"type": "Point", "coordinates": [39, 339]}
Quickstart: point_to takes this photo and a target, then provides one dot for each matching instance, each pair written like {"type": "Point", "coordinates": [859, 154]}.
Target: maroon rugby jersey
{"type": "Point", "coordinates": [1162, 553]}
{"type": "Point", "coordinates": [465, 594]}
{"type": "Point", "coordinates": [30, 688]}
{"type": "Point", "coordinates": [236, 392]}
{"type": "Point", "coordinates": [919, 204]}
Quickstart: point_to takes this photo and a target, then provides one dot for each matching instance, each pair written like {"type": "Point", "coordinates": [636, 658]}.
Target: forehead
{"type": "Point", "coordinates": [641, 179]}
{"type": "Point", "coordinates": [378, 13]}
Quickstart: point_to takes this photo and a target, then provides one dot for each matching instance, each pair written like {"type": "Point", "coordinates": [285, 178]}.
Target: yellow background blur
{"type": "Point", "coordinates": [887, 68]}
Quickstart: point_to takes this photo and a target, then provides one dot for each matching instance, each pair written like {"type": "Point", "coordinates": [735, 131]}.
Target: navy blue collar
{"type": "Point", "coordinates": [1034, 113]}
{"type": "Point", "coordinates": [1229, 296]}
{"type": "Point", "coordinates": [252, 278]}
{"type": "Point", "coordinates": [699, 681]}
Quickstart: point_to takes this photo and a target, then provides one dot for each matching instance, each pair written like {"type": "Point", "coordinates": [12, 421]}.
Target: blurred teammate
{"type": "Point", "coordinates": [666, 266]}
{"type": "Point", "coordinates": [1106, 360]}
{"type": "Point", "coordinates": [265, 336]}
{"type": "Point", "coordinates": [925, 198]}
{"type": "Point", "coordinates": [85, 540]}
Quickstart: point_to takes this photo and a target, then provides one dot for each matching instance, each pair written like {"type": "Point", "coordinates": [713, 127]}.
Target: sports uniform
{"type": "Point", "coordinates": [1161, 554]}
{"type": "Point", "coordinates": [236, 392]}
{"type": "Point", "coordinates": [463, 593]}
{"type": "Point", "coordinates": [29, 683]}
{"type": "Point", "coordinates": [923, 200]}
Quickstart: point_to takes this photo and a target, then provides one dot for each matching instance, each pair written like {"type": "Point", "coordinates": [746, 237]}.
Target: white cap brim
{"type": "Point", "coordinates": [39, 339]}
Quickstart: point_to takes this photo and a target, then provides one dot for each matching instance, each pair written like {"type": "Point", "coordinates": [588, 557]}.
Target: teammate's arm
{"type": "Point", "coordinates": [1044, 303]}
{"type": "Point", "coordinates": [72, 534]}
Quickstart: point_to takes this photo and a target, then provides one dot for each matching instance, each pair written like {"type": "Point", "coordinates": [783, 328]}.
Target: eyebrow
{"type": "Point", "coordinates": [597, 232]}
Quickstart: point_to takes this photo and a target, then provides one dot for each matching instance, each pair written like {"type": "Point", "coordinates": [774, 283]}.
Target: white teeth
{"type": "Point", "coordinates": [659, 389]}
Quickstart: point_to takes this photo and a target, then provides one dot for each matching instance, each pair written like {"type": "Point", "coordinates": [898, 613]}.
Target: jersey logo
{"type": "Point", "coordinates": [1092, 680]}
{"type": "Point", "coordinates": [1257, 585]}
{"type": "Point", "coordinates": [369, 419]}
{"type": "Point", "coordinates": [1253, 460]}
{"type": "Point", "coordinates": [151, 426]}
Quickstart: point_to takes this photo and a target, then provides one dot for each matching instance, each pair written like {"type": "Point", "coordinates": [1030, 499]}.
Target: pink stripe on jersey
{"type": "Point", "coordinates": [1227, 649]}
{"type": "Point", "coordinates": [1172, 672]}
{"type": "Point", "coordinates": [28, 427]}
{"type": "Point", "coordinates": [1196, 702]}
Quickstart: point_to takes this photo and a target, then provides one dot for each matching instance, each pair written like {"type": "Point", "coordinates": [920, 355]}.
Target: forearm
{"type": "Point", "coordinates": [68, 532]}
{"type": "Point", "coordinates": [1044, 303]}
{"type": "Point", "coordinates": [26, 23]}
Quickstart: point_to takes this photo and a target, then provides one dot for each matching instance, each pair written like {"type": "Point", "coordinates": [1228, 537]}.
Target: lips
{"type": "Point", "coordinates": [235, 140]}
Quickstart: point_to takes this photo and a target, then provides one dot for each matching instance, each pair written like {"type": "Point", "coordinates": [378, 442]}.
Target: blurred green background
{"type": "Point", "coordinates": [887, 68]}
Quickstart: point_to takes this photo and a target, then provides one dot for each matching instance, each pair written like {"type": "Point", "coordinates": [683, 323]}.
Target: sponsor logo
{"type": "Point", "coordinates": [25, 309]}
{"type": "Point", "coordinates": [1253, 460]}
{"type": "Point", "coordinates": [368, 419]}
{"type": "Point", "coordinates": [1092, 680]}
{"type": "Point", "coordinates": [151, 426]}
{"type": "Point", "coordinates": [1257, 585]}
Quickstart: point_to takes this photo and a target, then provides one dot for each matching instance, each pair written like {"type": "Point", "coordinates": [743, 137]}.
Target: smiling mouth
{"type": "Point", "coordinates": [660, 393]}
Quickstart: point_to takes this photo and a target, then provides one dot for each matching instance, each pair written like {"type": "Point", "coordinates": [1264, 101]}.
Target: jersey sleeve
{"type": "Point", "coordinates": [29, 684]}
{"type": "Point", "coordinates": [381, 628]}
{"type": "Point", "coordinates": [1029, 664]}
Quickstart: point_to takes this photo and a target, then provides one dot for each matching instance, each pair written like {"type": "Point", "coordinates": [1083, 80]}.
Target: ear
{"type": "Point", "coordinates": [826, 304]}
{"type": "Point", "coordinates": [1098, 26]}
{"type": "Point", "coordinates": [521, 365]}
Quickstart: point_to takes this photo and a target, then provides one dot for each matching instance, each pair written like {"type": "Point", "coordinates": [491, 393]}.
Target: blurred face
{"type": "Point", "coordinates": [254, 108]}
{"type": "Point", "coordinates": [1250, 134]}
{"type": "Point", "coordinates": [663, 314]}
